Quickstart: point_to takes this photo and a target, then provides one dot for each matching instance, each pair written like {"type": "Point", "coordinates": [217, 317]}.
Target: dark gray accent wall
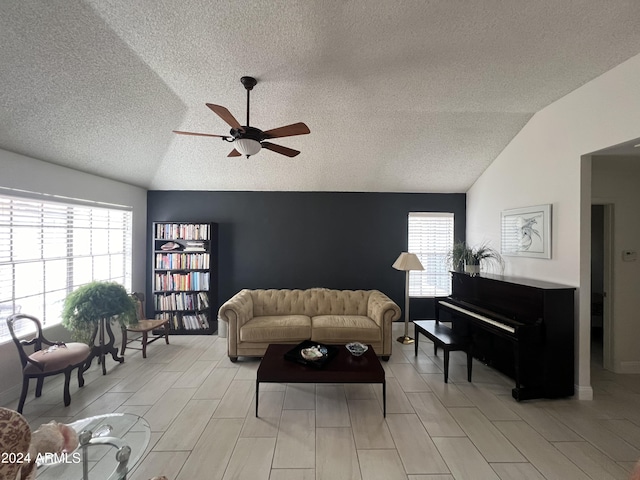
{"type": "Point", "coordinates": [337, 240]}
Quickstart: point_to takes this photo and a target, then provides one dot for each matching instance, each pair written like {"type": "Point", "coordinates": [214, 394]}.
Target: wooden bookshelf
{"type": "Point", "coordinates": [185, 276]}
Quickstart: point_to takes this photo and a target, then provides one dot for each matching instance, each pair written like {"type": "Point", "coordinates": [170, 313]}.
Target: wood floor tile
{"type": "Point", "coordinates": [408, 378]}
{"type": "Point", "coordinates": [267, 424]}
{"type": "Point", "coordinates": [296, 443]}
{"type": "Point", "coordinates": [331, 406]}
{"type": "Point", "coordinates": [300, 396]}
{"type": "Point", "coordinates": [160, 463]}
{"type": "Point", "coordinates": [336, 455]}
{"type": "Point", "coordinates": [592, 430]}
{"type": "Point", "coordinates": [488, 403]}
{"type": "Point", "coordinates": [168, 407]}
{"type": "Point", "coordinates": [292, 474]}
{"type": "Point", "coordinates": [548, 460]}
{"type": "Point", "coordinates": [137, 379]}
{"type": "Point", "coordinates": [430, 477]}
{"type": "Point", "coordinates": [517, 471]}
{"type": "Point", "coordinates": [464, 459]}
{"type": "Point", "coordinates": [195, 374]}
{"type": "Point", "coordinates": [591, 461]}
{"type": "Point", "coordinates": [434, 416]}
{"type": "Point", "coordinates": [397, 401]}
{"type": "Point", "coordinates": [359, 391]}
{"type": "Point", "coordinates": [625, 429]}
{"type": "Point", "coordinates": [186, 429]}
{"type": "Point", "coordinates": [448, 393]}
{"type": "Point", "coordinates": [485, 436]}
{"type": "Point", "coordinates": [381, 465]}
{"type": "Point", "coordinates": [236, 400]}
{"type": "Point", "coordinates": [545, 424]}
{"type": "Point", "coordinates": [416, 449]}
{"type": "Point", "coordinates": [154, 389]}
{"type": "Point", "coordinates": [251, 459]}
{"type": "Point", "coordinates": [212, 452]}
{"type": "Point", "coordinates": [215, 385]}
{"type": "Point", "coordinates": [369, 427]}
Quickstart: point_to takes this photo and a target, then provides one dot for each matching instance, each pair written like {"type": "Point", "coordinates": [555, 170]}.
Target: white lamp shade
{"type": "Point", "coordinates": [407, 261]}
{"type": "Point", "coordinates": [247, 146]}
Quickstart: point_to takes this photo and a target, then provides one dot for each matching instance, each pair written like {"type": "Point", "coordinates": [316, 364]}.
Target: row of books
{"type": "Point", "coordinates": [186, 322]}
{"type": "Point", "coordinates": [181, 281]}
{"type": "Point", "coordinates": [183, 231]}
{"type": "Point", "coordinates": [182, 301]}
{"type": "Point", "coordinates": [176, 261]}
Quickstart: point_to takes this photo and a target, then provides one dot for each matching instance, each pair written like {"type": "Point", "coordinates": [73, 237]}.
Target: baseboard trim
{"type": "Point", "coordinates": [583, 393]}
{"type": "Point", "coordinates": [628, 367]}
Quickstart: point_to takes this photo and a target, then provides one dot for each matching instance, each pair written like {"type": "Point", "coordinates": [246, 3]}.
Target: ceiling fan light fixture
{"type": "Point", "coordinates": [247, 146]}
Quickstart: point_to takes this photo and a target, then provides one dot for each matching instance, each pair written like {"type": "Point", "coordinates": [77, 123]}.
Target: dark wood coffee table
{"type": "Point", "coordinates": [343, 368]}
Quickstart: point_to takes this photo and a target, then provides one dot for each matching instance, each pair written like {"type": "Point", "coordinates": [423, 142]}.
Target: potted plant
{"type": "Point", "coordinates": [87, 306]}
{"type": "Point", "coordinates": [469, 259]}
{"type": "Point", "coordinates": [458, 255]}
{"type": "Point", "coordinates": [483, 254]}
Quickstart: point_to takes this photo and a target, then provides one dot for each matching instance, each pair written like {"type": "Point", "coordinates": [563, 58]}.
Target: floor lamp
{"type": "Point", "coordinates": [407, 262]}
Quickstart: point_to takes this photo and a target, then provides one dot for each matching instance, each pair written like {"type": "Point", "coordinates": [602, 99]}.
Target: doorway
{"type": "Point", "coordinates": [601, 241]}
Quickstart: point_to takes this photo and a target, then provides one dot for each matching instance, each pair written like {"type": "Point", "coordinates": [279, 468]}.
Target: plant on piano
{"type": "Point", "coordinates": [462, 255]}
{"type": "Point", "coordinates": [458, 255]}
{"type": "Point", "coordinates": [484, 255]}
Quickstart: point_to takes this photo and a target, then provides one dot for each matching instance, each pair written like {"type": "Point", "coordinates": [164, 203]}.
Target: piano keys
{"type": "Point", "coordinates": [521, 327]}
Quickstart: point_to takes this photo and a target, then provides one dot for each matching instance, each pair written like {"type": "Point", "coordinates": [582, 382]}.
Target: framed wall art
{"type": "Point", "coordinates": [526, 232]}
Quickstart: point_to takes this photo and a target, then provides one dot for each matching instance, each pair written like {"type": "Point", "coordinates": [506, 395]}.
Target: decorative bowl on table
{"type": "Point", "coordinates": [314, 353]}
{"type": "Point", "coordinates": [356, 348]}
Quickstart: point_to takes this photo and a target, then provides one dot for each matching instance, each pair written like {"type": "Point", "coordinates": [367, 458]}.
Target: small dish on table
{"type": "Point", "coordinates": [357, 349]}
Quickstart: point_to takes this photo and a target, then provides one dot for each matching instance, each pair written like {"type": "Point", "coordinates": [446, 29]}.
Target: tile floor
{"type": "Point", "coordinates": [201, 412]}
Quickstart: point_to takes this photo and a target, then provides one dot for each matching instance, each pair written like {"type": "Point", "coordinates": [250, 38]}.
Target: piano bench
{"type": "Point", "coordinates": [444, 337]}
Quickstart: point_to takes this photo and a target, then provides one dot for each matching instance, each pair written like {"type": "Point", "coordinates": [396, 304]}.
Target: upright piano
{"type": "Point", "coordinates": [519, 326]}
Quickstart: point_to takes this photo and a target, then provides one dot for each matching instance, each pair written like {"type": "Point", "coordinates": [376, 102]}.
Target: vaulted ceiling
{"type": "Point", "coordinates": [403, 96]}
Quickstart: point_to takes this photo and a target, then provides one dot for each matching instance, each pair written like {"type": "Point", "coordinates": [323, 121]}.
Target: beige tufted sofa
{"type": "Point", "coordinates": [257, 318]}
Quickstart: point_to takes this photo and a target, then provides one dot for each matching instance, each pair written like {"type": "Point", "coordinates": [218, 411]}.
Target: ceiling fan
{"type": "Point", "coordinates": [249, 140]}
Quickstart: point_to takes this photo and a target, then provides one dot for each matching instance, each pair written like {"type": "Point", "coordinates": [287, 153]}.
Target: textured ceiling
{"type": "Point", "coordinates": [404, 96]}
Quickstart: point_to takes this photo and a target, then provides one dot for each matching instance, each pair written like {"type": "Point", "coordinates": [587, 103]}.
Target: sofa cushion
{"type": "Point", "coordinates": [276, 328]}
{"type": "Point", "coordinates": [311, 302]}
{"type": "Point", "coordinates": [344, 329]}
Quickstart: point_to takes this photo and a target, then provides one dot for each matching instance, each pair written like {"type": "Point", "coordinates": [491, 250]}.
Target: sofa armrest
{"type": "Point", "coordinates": [381, 309]}
{"type": "Point", "coordinates": [384, 311]}
{"type": "Point", "coordinates": [236, 311]}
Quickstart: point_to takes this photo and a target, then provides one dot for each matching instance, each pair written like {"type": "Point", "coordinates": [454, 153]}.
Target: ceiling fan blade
{"type": "Point", "coordinates": [288, 131]}
{"type": "Point", "coordinates": [225, 115]}
{"type": "Point", "coordinates": [234, 153]}
{"type": "Point", "coordinates": [289, 152]}
{"type": "Point", "coordinates": [199, 134]}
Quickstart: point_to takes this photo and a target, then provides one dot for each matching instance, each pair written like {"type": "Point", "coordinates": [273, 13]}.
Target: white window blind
{"type": "Point", "coordinates": [431, 239]}
{"type": "Point", "coordinates": [48, 248]}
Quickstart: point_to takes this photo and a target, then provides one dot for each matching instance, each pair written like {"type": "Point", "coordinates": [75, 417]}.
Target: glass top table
{"type": "Point", "coordinates": [110, 446]}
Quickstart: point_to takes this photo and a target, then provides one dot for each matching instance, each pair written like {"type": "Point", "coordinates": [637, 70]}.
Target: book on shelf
{"type": "Point", "coordinates": [183, 231]}
{"type": "Point", "coordinates": [182, 301]}
{"type": "Point", "coordinates": [198, 321]}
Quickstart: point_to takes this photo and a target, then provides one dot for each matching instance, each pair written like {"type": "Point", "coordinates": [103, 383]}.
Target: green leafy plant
{"type": "Point", "coordinates": [86, 306]}
{"type": "Point", "coordinates": [458, 255]}
{"type": "Point", "coordinates": [461, 254]}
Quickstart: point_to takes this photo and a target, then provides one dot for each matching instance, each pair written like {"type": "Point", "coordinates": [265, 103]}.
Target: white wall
{"type": "Point", "coordinates": [25, 173]}
{"type": "Point", "coordinates": [543, 164]}
{"type": "Point", "coordinates": [615, 181]}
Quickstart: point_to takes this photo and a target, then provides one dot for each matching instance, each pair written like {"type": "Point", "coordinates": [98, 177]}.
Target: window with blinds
{"type": "Point", "coordinates": [431, 239]}
{"type": "Point", "coordinates": [49, 248]}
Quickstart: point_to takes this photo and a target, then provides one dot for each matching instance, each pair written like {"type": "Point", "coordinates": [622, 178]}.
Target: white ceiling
{"type": "Point", "coordinates": [402, 96]}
